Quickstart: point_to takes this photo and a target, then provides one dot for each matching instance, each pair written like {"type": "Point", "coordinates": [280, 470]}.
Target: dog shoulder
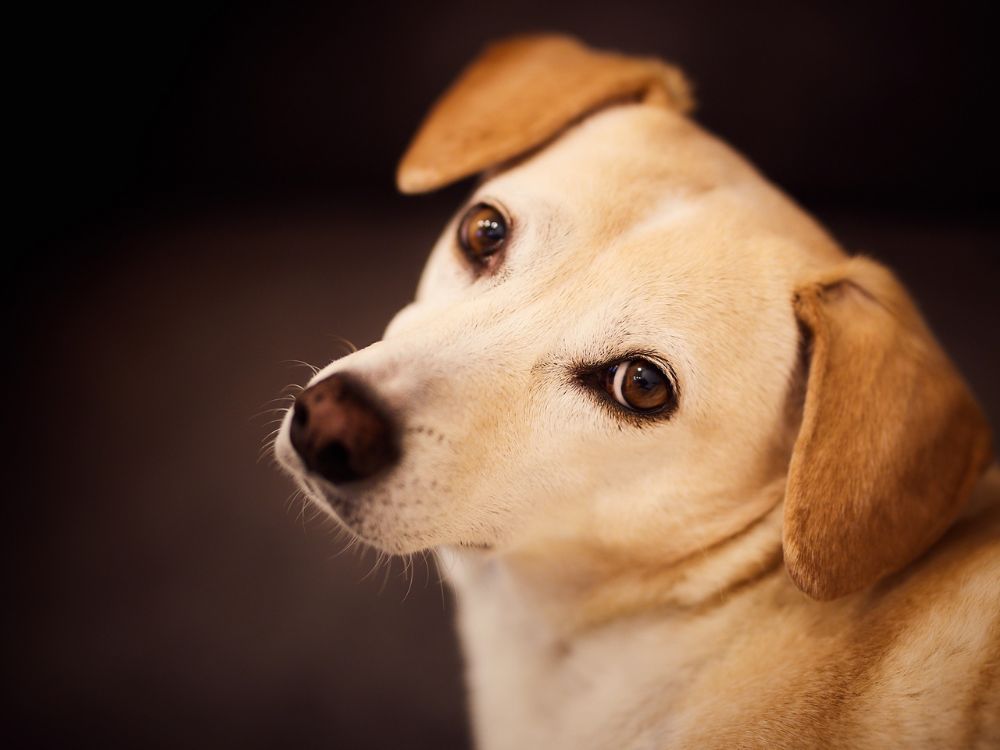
{"type": "Point", "coordinates": [912, 662]}
{"type": "Point", "coordinates": [928, 649]}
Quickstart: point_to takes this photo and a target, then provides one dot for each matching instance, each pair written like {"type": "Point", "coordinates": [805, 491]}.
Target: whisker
{"type": "Point", "coordinates": [368, 575]}
{"type": "Point", "coordinates": [299, 363]}
{"type": "Point", "coordinates": [347, 343]}
{"type": "Point", "coordinates": [408, 569]}
{"type": "Point", "coordinates": [427, 568]}
{"type": "Point", "coordinates": [269, 412]}
{"type": "Point", "coordinates": [283, 397]}
{"type": "Point", "coordinates": [385, 578]}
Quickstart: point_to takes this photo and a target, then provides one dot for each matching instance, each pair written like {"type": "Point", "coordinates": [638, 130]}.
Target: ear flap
{"type": "Point", "coordinates": [519, 94]}
{"type": "Point", "coordinates": [891, 443]}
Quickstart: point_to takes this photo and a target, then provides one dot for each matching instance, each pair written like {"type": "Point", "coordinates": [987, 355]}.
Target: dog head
{"type": "Point", "coordinates": [628, 343]}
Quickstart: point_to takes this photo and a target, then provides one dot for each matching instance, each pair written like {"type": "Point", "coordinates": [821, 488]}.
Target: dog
{"type": "Point", "coordinates": [698, 478]}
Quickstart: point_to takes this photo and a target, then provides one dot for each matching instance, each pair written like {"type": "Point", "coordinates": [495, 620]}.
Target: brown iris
{"type": "Point", "coordinates": [639, 385]}
{"type": "Point", "coordinates": [482, 232]}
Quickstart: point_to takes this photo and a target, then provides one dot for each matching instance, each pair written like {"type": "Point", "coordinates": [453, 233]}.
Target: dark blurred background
{"type": "Point", "coordinates": [202, 192]}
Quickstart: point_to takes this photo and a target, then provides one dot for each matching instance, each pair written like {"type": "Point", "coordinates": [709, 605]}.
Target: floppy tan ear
{"type": "Point", "coordinates": [519, 94]}
{"type": "Point", "coordinates": [891, 443]}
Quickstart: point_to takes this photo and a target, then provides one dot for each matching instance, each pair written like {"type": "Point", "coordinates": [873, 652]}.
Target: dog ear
{"type": "Point", "coordinates": [891, 443]}
{"type": "Point", "coordinates": [519, 94]}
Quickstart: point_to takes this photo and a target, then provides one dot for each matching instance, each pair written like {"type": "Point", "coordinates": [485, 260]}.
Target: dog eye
{"type": "Point", "coordinates": [639, 385]}
{"type": "Point", "coordinates": [482, 232]}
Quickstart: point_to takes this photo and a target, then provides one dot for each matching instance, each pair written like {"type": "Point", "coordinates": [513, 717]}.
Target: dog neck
{"type": "Point", "coordinates": [529, 622]}
{"type": "Point", "coordinates": [575, 589]}
{"type": "Point", "coordinates": [572, 595]}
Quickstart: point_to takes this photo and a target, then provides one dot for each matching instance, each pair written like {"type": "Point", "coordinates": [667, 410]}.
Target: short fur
{"type": "Point", "coordinates": [805, 554]}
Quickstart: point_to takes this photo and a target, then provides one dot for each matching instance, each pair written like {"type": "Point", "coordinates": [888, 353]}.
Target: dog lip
{"type": "Point", "coordinates": [482, 546]}
{"type": "Point", "coordinates": [286, 456]}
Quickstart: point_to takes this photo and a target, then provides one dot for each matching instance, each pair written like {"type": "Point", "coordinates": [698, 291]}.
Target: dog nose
{"type": "Point", "coordinates": [340, 432]}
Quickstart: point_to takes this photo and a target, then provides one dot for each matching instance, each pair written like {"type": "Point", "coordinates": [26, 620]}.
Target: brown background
{"type": "Point", "coordinates": [204, 192]}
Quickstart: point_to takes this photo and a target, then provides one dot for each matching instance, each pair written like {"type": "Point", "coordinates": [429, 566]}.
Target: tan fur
{"type": "Point", "coordinates": [805, 554]}
{"type": "Point", "coordinates": [891, 444]}
{"type": "Point", "coordinates": [519, 94]}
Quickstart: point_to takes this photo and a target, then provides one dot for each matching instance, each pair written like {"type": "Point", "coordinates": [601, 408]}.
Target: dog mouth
{"type": "Point", "coordinates": [349, 508]}
{"type": "Point", "coordinates": [476, 546]}
{"type": "Point", "coordinates": [367, 510]}
{"type": "Point", "coordinates": [378, 519]}
{"type": "Point", "coordinates": [334, 501]}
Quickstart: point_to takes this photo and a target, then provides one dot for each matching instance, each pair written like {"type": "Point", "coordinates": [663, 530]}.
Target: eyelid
{"type": "Point", "coordinates": [491, 200]}
{"type": "Point", "coordinates": [664, 366]}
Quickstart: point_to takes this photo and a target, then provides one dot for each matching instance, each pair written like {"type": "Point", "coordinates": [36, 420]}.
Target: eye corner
{"type": "Point", "coordinates": [590, 376]}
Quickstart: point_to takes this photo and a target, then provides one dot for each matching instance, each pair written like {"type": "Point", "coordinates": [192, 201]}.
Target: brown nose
{"type": "Point", "coordinates": [339, 432]}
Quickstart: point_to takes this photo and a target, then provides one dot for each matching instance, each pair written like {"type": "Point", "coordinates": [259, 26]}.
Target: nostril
{"type": "Point", "coordinates": [333, 461]}
{"type": "Point", "coordinates": [339, 431]}
{"type": "Point", "coordinates": [300, 414]}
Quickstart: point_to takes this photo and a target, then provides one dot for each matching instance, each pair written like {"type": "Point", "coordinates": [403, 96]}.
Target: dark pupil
{"type": "Point", "coordinates": [644, 387]}
{"type": "Point", "coordinates": [483, 232]}
{"type": "Point", "coordinates": [489, 231]}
